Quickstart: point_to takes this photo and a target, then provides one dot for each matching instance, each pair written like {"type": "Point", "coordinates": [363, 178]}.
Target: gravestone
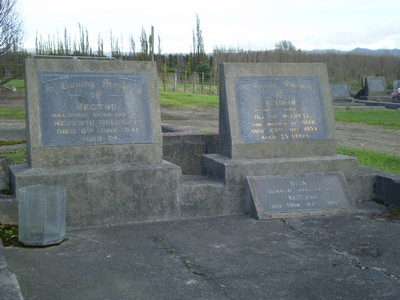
{"type": "Point", "coordinates": [105, 115]}
{"type": "Point", "coordinates": [94, 127]}
{"type": "Point", "coordinates": [396, 85]}
{"type": "Point", "coordinates": [275, 110]}
{"type": "Point", "coordinates": [340, 91]}
{"type": "Point", "coordinates": [374, 86]}
{"type": "Point", "coordinates": [275, 120]}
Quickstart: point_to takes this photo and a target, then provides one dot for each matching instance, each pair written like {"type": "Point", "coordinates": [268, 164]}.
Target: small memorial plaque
{"type": "Point", "coordinates": [303, 193]}
{"type": "Point", "coordinates": [280, 109]}
{"type": "Point", "coordinates": [94, 109]}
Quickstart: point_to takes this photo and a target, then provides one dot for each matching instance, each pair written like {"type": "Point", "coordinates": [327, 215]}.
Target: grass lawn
{"type": "Point", "coordinates": [387, 118]}
{"type": "Point", "coordinates": [376, 160]}
{"type": "Point", "coordinates": [12, 112]}
{"type": "Point", "coordinates": [178, 100]}
{"type": "Point", "coordinates": [19, 84]}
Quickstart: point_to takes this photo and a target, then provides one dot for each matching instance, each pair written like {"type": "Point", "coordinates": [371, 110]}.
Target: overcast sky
{"type": "Point", "coordinates": [245, 24]}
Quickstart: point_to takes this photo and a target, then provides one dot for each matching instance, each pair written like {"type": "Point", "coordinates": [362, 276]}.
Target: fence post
{"type": "Point", "coordinates": [175, 80]}
{"type": "Point", "coordinates": [193, 81]}
{"type": "Point", "coordinates": [210, 80]}
{"type": "Point", "coordinates": [184, 81]}
{"type": "Point", "coordinates": [165, 76]}
{"type": "Point", "coordinates": [202, 82]}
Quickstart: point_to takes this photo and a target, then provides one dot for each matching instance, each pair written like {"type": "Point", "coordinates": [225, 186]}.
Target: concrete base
{"type": "Point", "coordinates": [110, 194]}
{"type": "Point", "coordinates": [200, 196]}
{"type": "Point", "coordinates": [233, 172]}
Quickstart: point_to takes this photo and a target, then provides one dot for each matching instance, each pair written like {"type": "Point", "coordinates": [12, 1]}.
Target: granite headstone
{"type": "Point", "coordinates": [275, 110]}
{"type": "Point", "coordinates": [92, 112]}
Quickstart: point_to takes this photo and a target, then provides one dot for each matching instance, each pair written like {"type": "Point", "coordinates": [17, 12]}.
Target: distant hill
{"type": "Point", "coordinates": [363, 51]}
{"type": "Point", "coordinates": [393, 52]}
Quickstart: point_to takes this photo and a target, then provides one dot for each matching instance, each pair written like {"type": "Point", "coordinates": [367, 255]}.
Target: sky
{"type": "Point", "coordinates": [246, 24]}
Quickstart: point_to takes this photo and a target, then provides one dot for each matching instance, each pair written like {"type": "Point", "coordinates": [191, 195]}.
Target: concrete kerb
{"type": "Point", "coordinates": [10, 288]}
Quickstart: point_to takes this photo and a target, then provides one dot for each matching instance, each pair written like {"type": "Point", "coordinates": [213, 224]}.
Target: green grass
{"type": "Point", "coordinates": [16, 156]}
{"type": "Point", "coordinates": [12, 112]}
{"type": "Point", "coordinates": [180, 100]}
{"type": "Point", "coordinates": [377, 160]}
{"type": "Point", "coordinates": [9, 234]}
{"type": "Point", "coordinates": [386, 118]}
{"type": "Point", "coordinates": [18, 83]}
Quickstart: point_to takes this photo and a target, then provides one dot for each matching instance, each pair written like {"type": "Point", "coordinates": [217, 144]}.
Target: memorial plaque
{"type": "Point", "coordinates": [280, 109]}
{"type": "Point", "coordinates": [301, 193]}
{"type": "Point", "coordinates": [94, 109]}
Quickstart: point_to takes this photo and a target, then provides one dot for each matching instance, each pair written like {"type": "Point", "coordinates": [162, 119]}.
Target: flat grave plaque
{"type": "Point", "coordinates": [311, 192]}
{"type": "Point", "coordinates": [94, 109]}
{"type": "Point", "coordinates": [280, 109]}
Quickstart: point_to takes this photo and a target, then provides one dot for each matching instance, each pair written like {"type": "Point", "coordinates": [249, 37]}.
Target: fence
{"type": "Point", "coordinates": [181, 82]}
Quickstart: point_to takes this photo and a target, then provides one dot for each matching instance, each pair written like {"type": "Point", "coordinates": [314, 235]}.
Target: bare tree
{"type": "Point", "coordinates": [10, 26]}
{"type": "Point", "coordinates": [285, 46]}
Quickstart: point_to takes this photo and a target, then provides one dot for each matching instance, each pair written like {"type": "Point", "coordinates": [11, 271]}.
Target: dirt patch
{"type": "Point", "coordinates": [8, 98]}
{"type": "Point", "coordinates": [362, 136]}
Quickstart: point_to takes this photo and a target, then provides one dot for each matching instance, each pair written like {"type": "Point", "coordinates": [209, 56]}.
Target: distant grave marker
{"type": "Point", "coordinates": [396, 84]}
{"type": "Point", "coordinates": [339, 91]}
{"type": "Point", "coordinates": [374, 86]}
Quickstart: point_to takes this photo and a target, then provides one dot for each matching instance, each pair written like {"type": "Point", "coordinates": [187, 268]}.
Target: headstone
{"type": "Point", "coordinates": [94, 128]}
{"type": "Point", "coordinates": [340, 91]}
{"type": "Point", "coordinates": [275, 110]}
{"type": "Point", "coordinates": [396, 85]}
{"type": "Point", "coordinates": [92, 112]}
{"type": "Point", "coordinates": [276, 196]}
{"type": "Point", "coordinates": [374, 86]}
{"type": "Point", "coordinates": [276, 121]}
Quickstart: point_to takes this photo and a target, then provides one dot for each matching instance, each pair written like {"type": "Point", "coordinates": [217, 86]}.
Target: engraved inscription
{"type": "Point", "coordinates": [276, 109]}
{"type": "Point", "coordinates": [93, 109]}
{"type": "Point", "coordinates": [301, 193]}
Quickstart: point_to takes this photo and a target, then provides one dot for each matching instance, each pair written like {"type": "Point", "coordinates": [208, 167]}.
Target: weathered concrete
{"type": "Point", "coordinates": [233, 172]}
{"type": "Point", "coordinates": [110, 194]}
{"type": "Point", "coordinates": [352, 256]}
{"type": "Point", "coordinates": [8, 282]}
{"type": "Point", "coordinates": [185, 150]}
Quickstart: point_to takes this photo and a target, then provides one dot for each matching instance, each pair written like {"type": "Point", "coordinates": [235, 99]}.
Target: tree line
{"type": "Point", "coordinates": [342, 67]}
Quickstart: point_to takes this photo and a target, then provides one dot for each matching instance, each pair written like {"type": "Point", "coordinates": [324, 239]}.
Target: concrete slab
{"type": "Point", "coordinates": [351, 256]}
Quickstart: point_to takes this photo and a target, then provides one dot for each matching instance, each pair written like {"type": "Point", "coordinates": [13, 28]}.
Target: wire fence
{"type": "Point", "coordinates": [195, 83]}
